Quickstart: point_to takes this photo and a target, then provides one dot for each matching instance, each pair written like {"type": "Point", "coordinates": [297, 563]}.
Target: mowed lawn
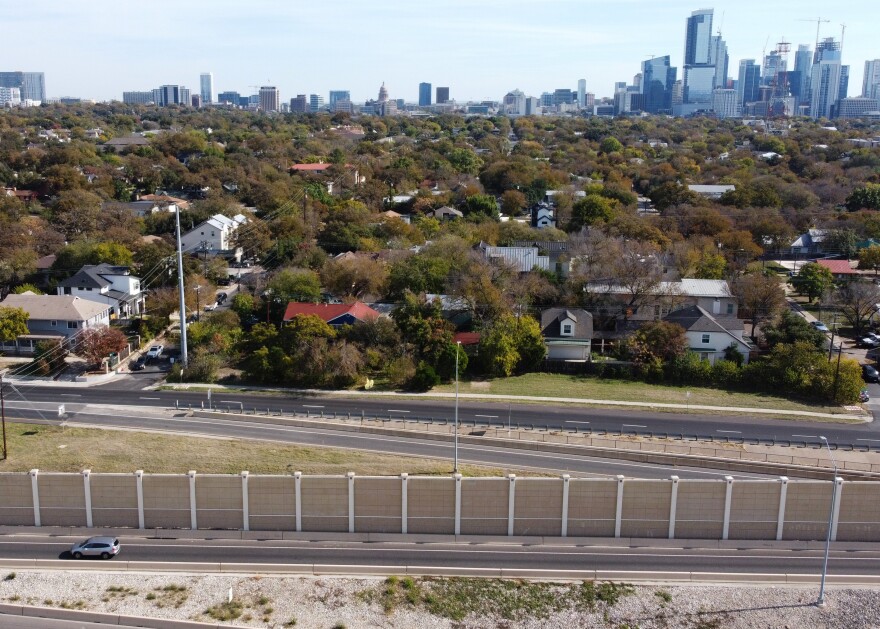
{"type": "Point", "coordinates": [584, 387]}
{"type": "Point", "coordinates": [56, 449]}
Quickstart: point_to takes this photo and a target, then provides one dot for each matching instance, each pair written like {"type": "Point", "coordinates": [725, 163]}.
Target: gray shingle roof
{"type": "Point", "coordinates": [552, 318]}
{"type": "Point", "coordinates": [696, 319]}
{"type": "Point", "coordinates": [52, 307]}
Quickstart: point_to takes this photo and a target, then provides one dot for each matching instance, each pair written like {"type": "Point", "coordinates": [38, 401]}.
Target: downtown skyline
{"type": "Point", "coordinates": [481, 52]}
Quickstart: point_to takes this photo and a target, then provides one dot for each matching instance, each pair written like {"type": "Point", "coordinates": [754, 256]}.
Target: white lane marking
{"type": "Point", "coordinates": [396, 410]}
{"type": "Point", "coordinates": [737, 432]}
{"type": "Point", "coordinates": [633, 426]}
{"type": "Point", "coordinates": [69, 395]}
{"type": "Point", "coordinates": [487, 416]}
{"type": "Point", "coordinates": [571, 421]}
{"type": "Point", "coordinates": [150, 398]}
{"type": "Point", "coordinates": [867, 439]}
{"type": "Point", "coordinates": [807, 436]}
{"type": "Point", "coordinates": [312, 406]}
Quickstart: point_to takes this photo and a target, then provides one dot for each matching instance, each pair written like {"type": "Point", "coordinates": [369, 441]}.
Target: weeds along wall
{"type": "Point", "coordinates": [553, 507]}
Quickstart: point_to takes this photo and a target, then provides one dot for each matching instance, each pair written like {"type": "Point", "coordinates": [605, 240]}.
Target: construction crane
{"type": "Point", "coordinates": [842, 33]}
{"type": "Point", "coordinates": [818, 22]}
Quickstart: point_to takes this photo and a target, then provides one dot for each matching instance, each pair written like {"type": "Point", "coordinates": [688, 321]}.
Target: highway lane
{"type": "Point", "coordinates": [24, 622]}
{"type": "Point", "coordinates": [487, 455]}
{"type": "Point", "coordinates": [596, 419]}
{"type": "Point", "coordinates": [550, 556]}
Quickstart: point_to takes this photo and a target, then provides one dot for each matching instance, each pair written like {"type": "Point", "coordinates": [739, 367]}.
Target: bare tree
{"type": "Point", "coordinates": [857, 302]}
{"type": "Point", "coordinates": [760, 296]}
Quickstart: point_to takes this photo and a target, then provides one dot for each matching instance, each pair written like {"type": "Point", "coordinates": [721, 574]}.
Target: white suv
{"type": "Point", "coordinates": [155, 351]}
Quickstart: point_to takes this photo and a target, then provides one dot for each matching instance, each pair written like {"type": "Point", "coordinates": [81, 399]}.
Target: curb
{"type": "Point", "coordinates": [101, 618]}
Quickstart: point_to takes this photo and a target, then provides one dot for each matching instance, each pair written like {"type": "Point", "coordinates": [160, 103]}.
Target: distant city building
{"type": "Point", "coordinates": [137, 98]}
{"type": "Point", "coordinates": [562, 96]}
{"type": "Point", "coordinates": [724, 103]}
{"type": "Point", "coordinates": [514, 103]}
{"type": "Point", "coordinates": [699, 61]}
{"type": "Point", "coordinates": [858, 107]}
{"type": "Point", "coordinates": [582, 93]}
{"type": "Point", "coordinates": [270, 98]}
{"type": "Point", "coordinates": [31, 85]}
{"type": "Point", "coordinates": [748, 83]}
{"type": "Point", "coordinates": [206, 85]}
{"type": "Point", "coordinates": [658, 80]}
{"type": "Point", "coordinates": [316, 103]}
{"type": "Point", "coordinates": [383, 93]}
{"type": "Point", "coordinates": [424, 94]}
{"type": "Point", "coordinates": [10, 96]}
{"type": "Point", "coordinates": [171, 95]}
{"type": "Point", "coordinates": [299, 105]}
{"type": "Point", "coordinates": [803, 64]}
{"type": "Point", "coordinates": [442, 95]}
{"type": "Point", "coordinates": [342, 105]}
{"type": "Point", "coordinates": [825, 78]}
{"type": "Point", "coordinates": [843, 92]}
{"type": "Point", "coordinates": [533, 106]}
{"type": "Point", "coordinates": [720, 59]}
{"type": "Point", "coordinates": [871, 80]}
{"type": "Point", "coordinates": [229, 98]}
{"type": "Point", "coordinates": [196, 100]}
{"type": "Point", "coordinates": [337, 95]}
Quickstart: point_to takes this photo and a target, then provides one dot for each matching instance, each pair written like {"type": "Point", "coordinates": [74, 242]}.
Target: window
{"type": "Point", "coordinates": [71, 325]}
{"type": "Point", "coordinates": [89, 288]}
{"type": "Point", "coordinates": [705, 339]}
{"type": "Point", "coordinates": [567, 329]}
{"type": "Point", "coordinates": [730, 309]}
{"type": "Point", "coordinates": [54, 324]}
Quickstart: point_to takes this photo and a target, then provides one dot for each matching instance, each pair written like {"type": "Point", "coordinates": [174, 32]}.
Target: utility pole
{"type": "Point", "coordinates": [821, 600]}
{"type": "Point", "coordinates": [3, 416]}
{"type": "Point", "coordinates": [184, 358]}
{"type": "Point", "coordinates": [198, 290]}
{"type": "Point", "coordinates": [457, 350]}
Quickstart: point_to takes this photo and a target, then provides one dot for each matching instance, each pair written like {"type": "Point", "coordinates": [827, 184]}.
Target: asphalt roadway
{"type": "Point", "coordinates": [681, 556]}
{"type": "Point", "coordinates": [537, 415]}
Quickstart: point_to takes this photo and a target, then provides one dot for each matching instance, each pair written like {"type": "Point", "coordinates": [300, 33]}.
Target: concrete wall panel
{"type": "Point", "coordinates": [754, 509]}
{"type": "Point", "coordinates": [859, 512]}
{"type": "Point", "coordinates": [377, 505]}
{"type": "Point", "coordinates": [272, 503]}
{"type": "Point", "coordinates": [431, 506]}
{"type": "Point", "coordinates": [325, 503]}
{"type": "Point", "coordinates": [700, 509]}
{"type": "Point", "coordinates": [114, 500]}
{"type": "Point", "coordinates": [62, 500]}
{"type": "Point", "coordinates": [591, 507]}
{"type": "Point", "coordinates": [538, 507]}
{"type": "Point", "coordinates": [646, 508]}
{"type": "Point", "coordinates": [806, 510]}
{"type": "Point", "coordinates": [16, 500]}
{"type": "Point", "coordinates": [166, 501]}
{"type": "Point", "coordinates": [218, 502]}
{"type": "Point", "coordinates": [484, 506]}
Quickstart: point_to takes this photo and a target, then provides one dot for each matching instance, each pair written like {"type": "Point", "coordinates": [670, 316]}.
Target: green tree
{"type": "Point", "coordinates": [792, 328]}
{"type": "Point", "coordinates": [865, 198]}
{"type": "Point", "coordinates": [481, 205]}
{"type": "Point", "coordinates": [243, 304]}
{"type": "Point", "coordinates": [294, 284]}
{"type": "Point", "coordinates": [711, 266]}
{"type": "Point", "coordinates": [512, 344]}
{"type": "Point", "coordinates": [869, 258]}
{"type": "Point", "coordinates": [465, 161]}
{"type": "Point", "coordinates": [813, 280]}
{"type": "Point", "coordinates": [611, 145]}
{"type": "Point", "coordinates": [513, 202]}
{"type": "Point", "coordinates": [593, 208]}
{"type": "Point", "coordinates": [842, 240]}
{"type": "Point", "coordinates": [13, 323]}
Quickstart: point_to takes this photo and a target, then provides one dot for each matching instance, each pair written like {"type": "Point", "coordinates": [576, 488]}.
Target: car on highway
{"type": "Point", "coordinates": [819, 326]}
{"type": "Point", "coordinates": [870, 374]}
{"type": "Point", "coordinates": [103, 547]}
{"type": "Point", "coordinates": [155, 351]}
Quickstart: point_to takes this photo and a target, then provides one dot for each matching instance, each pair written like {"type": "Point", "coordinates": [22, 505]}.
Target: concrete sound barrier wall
{"type": "Point", "coordinates": [577, 507]}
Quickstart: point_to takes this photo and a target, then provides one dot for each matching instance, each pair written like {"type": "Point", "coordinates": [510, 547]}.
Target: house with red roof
{"type": "Point", "coordinates": [335, 315]}
{"type": "Point", "coordinates": [840, 269]}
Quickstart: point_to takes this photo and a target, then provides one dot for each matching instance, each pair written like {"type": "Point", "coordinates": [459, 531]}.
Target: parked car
{"type": "Point", "coordinates": [139, 364]}
{"type": "Point", "coordinates": [224, 281]}
{"type": "Point", "coordinates": [211, 307]}
{"type": "Point", "coordinates": [867, 341]}
{"type": "Point", "coordinates": [870, 374]}
{"type": "Point", "coordinates": [103, 547]}
{"type": "Point", "coordinates": [820, 326]}
{"type": "Point", "coordinates": [221, 297]}
{"type": "Point", "coordinates": [155, 351]}
{"type": "Point", "coordinates": [873, 335]}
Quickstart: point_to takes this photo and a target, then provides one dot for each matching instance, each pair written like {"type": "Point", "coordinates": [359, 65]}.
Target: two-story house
{"type": "Point", "coordinates": [113, 286]}
{"type": "Point", "coordinates": [568, 333]}
{"type": "Point", "coordinates": [710, 335]}
{"type": "Point", "coordinates": [215, 236]}
{"type": "Point", "coordinates": [52, 317]}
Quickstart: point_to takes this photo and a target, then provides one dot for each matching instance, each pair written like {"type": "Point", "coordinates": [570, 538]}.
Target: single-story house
{"type": "Point", "coordinates": [523, 259]}
{"type": "Point", "coordinates": [810, 242]}
{"type": "Point", "coordinates": [711, 191]}
{"type": "Point", "coordinates": [567, 333]}
{"type": "Point", "coordinates": [53, 317]}
{"type": "Point", "coordinates": [335, 315]}
{"type": "Point", "coordinates": [840, 269]}
{"type": "Point", "coordinates": [709, 335]}
{"type": "Point", "coordinates": [447, 213]}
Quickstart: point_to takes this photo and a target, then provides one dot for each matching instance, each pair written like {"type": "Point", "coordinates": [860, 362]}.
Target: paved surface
{"type": "Point", "coordinates": [693, 556]}
{"type": "Point", "coordinates": [537, 415]}
{"type": "Point", "coordinates": [21, 622]}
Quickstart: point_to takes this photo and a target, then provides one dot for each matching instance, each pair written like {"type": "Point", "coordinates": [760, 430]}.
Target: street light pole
{"type": "Point", "coordinates": [457, 349]}
{"type": "Point", "coordinates": [821, 601]}
{"type": "Point", "coordinates": [3, 416]}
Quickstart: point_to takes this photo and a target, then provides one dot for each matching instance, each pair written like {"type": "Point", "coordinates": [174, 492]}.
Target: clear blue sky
{"type": "Point", "coordinates": [479, 48]}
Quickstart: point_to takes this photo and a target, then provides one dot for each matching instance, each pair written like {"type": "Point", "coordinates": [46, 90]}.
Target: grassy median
{"type": "Point", "coordinates": [56, 449]}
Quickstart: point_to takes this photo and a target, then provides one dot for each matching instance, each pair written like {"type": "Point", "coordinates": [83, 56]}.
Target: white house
{"type": "Point", "coordinates": [214, 236]}
{"type": "Point", "coordinates": [113, 286]}
{"type": "Point", "coordinates": [710, 335]}
{"type": "Point", "coordinates": [711, 192]}
{"type": "Point", "coordinates": [542, 216]}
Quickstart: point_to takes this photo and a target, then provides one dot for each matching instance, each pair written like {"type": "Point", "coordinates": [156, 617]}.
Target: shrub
{"type": "Point", "coordinates": [424, 378]}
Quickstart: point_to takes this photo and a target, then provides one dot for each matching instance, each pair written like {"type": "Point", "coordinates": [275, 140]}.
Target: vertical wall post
{"type": "Point", "coordinates": [673, 505]}
{"type": "Point", "coordinates": [245, 505]}
{"type": "Point", "coordinates": [87, 492]}
{"type": "Point", "coordinates": [618, 513]}
{"type": "Point", "coordinates": [566, 481]}
{"type": "Point", "coordinates": [297, 484]}
{"type": "Point", "coordinates": [780, 517]}
{"type": "Point", "coordinates": [457, 478]}
{"type": "Point", "coordinates": [511, 503]}
{"type": "Point", "coordinates": [838, 490]}
{"type": "Point", "coordinates": [139, 486]}
{"type": "Point", "coordinates": [193, 522]}
{"type": "Point", "coordinates": [350, 477]}
{"type": "Point", "coordinates": [728, 498]}
{"type": "Point", "coordinates": [35, 491]}
{"type": "Point", "coordinates": [403, 505]}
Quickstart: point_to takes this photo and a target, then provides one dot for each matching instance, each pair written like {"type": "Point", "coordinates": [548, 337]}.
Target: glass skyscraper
{"type": "Point", "coordinates": [699, 62]}
{"type": "Point", "coordinates": [424, 94]}
{"type": "Point", "coordinates": [658, 78]}
{"type": "Point", "coordinates": [748, 82]}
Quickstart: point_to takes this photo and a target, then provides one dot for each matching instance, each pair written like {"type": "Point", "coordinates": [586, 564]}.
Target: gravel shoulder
{"type": "Point", "coordinates": [324, 603]}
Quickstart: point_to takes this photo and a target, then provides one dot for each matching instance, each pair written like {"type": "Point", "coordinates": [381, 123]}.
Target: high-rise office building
{"type": "Point", "coordinates": [10, 96]}
{"type": "Point", "coordinates": [724, 103]}
{"type": "Point", "coordinates": [825, 78]}
{"type": "Point", "coordinates": [336, 96]}
{"type": "Point", "coordinates": [699, 63]}
{"type": "Point", "coordinates": [270, 98]}
{"type": "Point", "coordinates": [774, 65]}
{"type": "Point", "coordinates": [803, 64]}
{"type": "Point", "coordinates": [748, 82]}
{"type": "Point", "coordinates": [171, 95]}
{"type": "Point", "coordinates": [562, 96]}
{"type": "Point", "coordinates": [196, 100]}
{"type": "Point", "coordinates": [206, 85]}
{"type": "Point", "coordinates": [589, 101]}
{"type": "Point", "coordinates": [442, 95]}
{"type": "Point", "coordinates": [31, 85]}
{"type": "Point", "coordinates": [854, 107]}
{"type": "Point", "coordinates": [514, 103]}
{"type": "Point", "coordinates": [582, 93]}
{"type": "Point", "coordinates": [299, 105]}
{"type": "Point", "coordinates": [658, 78]}
{"type": "Point", "coordinates": [871, 80]}
{"type": "Point", "coordinates": [316, 103]}
{"type": "Point", "coordinates": [720, 60]}
{"type": "Point", "coordinates": [229, 98]}
{"type": "Point", "coordinates": [424, 94]}
{"type": "Point", "coordinates": [843, 92]}
{"type": "Point", "coordinates": [137, 98]}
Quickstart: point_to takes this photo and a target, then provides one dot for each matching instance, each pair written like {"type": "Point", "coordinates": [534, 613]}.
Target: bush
{"type": "Point", "coordinates": [424, 378]}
